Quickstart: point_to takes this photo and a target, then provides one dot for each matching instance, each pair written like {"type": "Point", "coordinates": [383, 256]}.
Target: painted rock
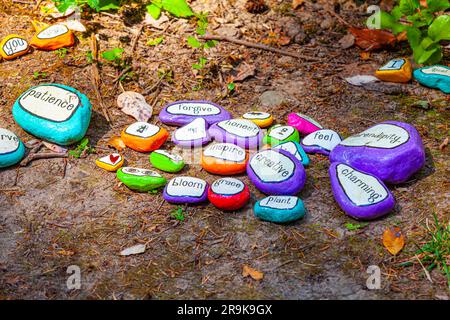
{"type": "Point", "coordinates": [194, 134]}
{"type": "Point", "coordinates": [241, 132]}
{"type": "Point", "coordinates": [295, 149]}
{"type": "Point", "coordinates": [224, 159]}
{"type": "Point", "coordinates": [111, 162]}
{"type": "Point", "coordinates": [261, 119]}
{"type": "Point", "coordinates": [321, 141]}
{"type": "Point", "coordinates": [143, 136]}
{"type": "Point", "coordinates": [228, 194]}
{"type": "Point", "coordinates": [13, 46]}
{"type": "Point", "coordinates": [279, 133]}
{"type": "Point", "coordinates": [186, 190]}
{"type": "Point", "coordinates": [53, 37]}
{"type": "Point", "coordinates": [304, 124]}
{"type": "Point", "coordinates": [53, 112]}
{"type": "Point", "coordinates": [391, 150]}
{"type": "Point", "coordinates": [141, 180]}
{"type": "Point", "coordinates": [360, 194]}
{"type": "Point", "coordinates": [165, 161]}
{"type": "Point", "coordinates": [434, 77]}
{"type": "Point", "coordinates": [180, 113]}
{"type": "Point", "coordinates": [396, 70]}
{"type": "Point", "coordinates": [276, 172]}
{"type": "Point", "coordinates": [12, 149]}
{"type": "Point", "coordinates": [279, 209]}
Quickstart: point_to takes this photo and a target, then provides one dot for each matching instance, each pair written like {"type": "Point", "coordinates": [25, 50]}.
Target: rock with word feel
{"type": "Point", "coordinates": [53, 37]}
{"type": "Point", "coordinates": [166, 161]}
{"type": "Point", "coordinates": [436, 76]}
{"type": "Point", "coordinates": [261, 119]}
{"type": "Point", "coordinates": [186, 190]}
{"type": "Point", "coordinates": [241, 132]}
{"type": "Point", "coordinates": [228, 194]}
{"type": "Point", "coordinates": [141, 180]}
{"type": "Point", "coordinates": [279, 133]}
{"type": "Point", "coordinates": [304, 124]}
{"type": "Point", "coordinates": [396, 70]}
{"type": "Point", "coordinates": [194, 134]}
{"type": "Point", "coordinates": [295, 149]}
{"type": "Point", "coordinates": [224, 159]}
{"type": "Point", "coordinates": [13, 46]}
{"type": "Point", "coordinates": [12, 149]}
{"type": "Point", "coordinates": [111, 162]}
{"type": "Point", "coordinates": [321, 141]}
{"type": "Point", "coordinates": [279, 209]}
{"type": "Point", "coordinates": [143, 136]}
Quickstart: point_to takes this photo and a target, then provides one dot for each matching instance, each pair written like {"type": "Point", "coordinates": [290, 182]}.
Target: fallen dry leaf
{"type": "Point", "coordinates": [393, 240]}
{"type": "Point", "coordinates": [402, 36]}
{"type": "Point", "coordinates": [137, 249]}
{"type": "Point", "coordinates": [372, 39]}
{"type": "Point", "coordinates": [117, 143]}
{"type": "Point", "coordinates": [297, 3]}
{"type": "Point", "coordinates": [255, 274]}
{"type": "Point", "coordinates": [243, 72]}
{"type": "Point", "coordinates": [365, 55]}
{"type": "Point", "coordinates": [54, 147]}
{"type": "Point", "coordinates": [443, 144]}
{"type": "Point", "coordinates": [347, 41]}
{"type": "Point", "coordinates": [158, 24]}
{"type": "Point", "coordinates": [134, 104]}
{"type": "Point", "coordinates": [63, 252]}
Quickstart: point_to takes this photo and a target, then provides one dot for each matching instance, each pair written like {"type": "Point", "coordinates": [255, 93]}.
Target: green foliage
{"type": "Point", "coordinates": [113, 55]}
{"type": "Point", "coordinates": [97, 5]}
{"type": "Point", "coordinates": [231, 86]}
{"type": "Point", "coordinates": [178, 214]}
{"type": "Point", "coordinates": [39, 75]}
{"type": "Point", "coordinates": [177, 8]}
{"type": "Point", "coordinates": [83, 147]}
{"type": "Point", "coordinates": [155, 41]}
{"type": "Point", "coordinates": [61, 52]}
{"type": "Point", "coordinates": [353, 227]}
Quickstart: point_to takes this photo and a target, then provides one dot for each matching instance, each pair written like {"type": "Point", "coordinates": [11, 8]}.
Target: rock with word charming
{"type": "Point", "coordinates": [166, 161]}
{"type": "Point", "coordinates": [279, 209]}
{"type": "Point", "coordinates": [53, 112]}
{"type": "Point", "coordinates": [143, 136]}
{"type": "Point", "coordinates": [224, 159]}
{"type": "Point", "coordinates": [436, 76]}
{"type": "Point", "coordinates": [396, 70]}
{"type": "Point", "coordinates": [304, 124]}
{"type": "Point", "coordinates": [111, 162]}
{"type": "Point", "coordinates": [295, 149]}
{"type": "Point", "coordinates": [53, 37]}
{"type": "Point", "coordinates": [141, 180]}
{"type": "Point", "coordinates": [228, 194]}
{"type": "Point", "coordinates": [241, 132]}
{"type": "Point", "coordinates": [280, 133]}
{"type": "Point", "coordinates": [186, 190]}
{"type": "Point", "coordinates": [321, 141]}
{"type": "Point", "coordinates": [12, 149]}
{"type": "Point", "coordinates": [261, 119]}
{"type": "Point", "coordinates": [13, 46]}
{"type": "Point", "coordinates": [194, 134]}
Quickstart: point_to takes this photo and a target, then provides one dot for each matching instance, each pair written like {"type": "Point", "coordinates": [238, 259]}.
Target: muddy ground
{"type": "Point", "coordinates": [54, 214]}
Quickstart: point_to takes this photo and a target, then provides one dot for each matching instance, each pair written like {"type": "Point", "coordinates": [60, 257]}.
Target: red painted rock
{"type": "Point", "coordinates": [228, 194]}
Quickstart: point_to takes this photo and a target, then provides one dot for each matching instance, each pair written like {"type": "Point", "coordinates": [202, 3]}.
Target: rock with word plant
{"type": "Point", "coordinates": [321, 141]}
{"type": "Point", "coordinates": [53, 37]}
{"type": "Point", "coordinates": [192, 135]}
{"type": "Point", "coordinates": [261, 119]}
{"type": "Point", "coordinates": [110, 162]}
{"type": "Point", "coordinates": [186, 190]}
{"type": "Point", "coordinates": [304, 124]}
{"type": "Point", "coordinates": [280, 133]}
{"type": "Point", "coordinates": [241, 132]}
{"type": "Point", "coordinates": [143, 136]}
{"type": "Point", "coordinates": [166, 161]}
{"type": "Point", "coordinates": [12, 148]}
{"type": "Point", "coordinates": [295, 149]}
{"type": "Point", "coordinates": [13, 46]}
{"type": "Point", "coordinates": [436, 76]}
{"type": "Point", "coordinates": [396, 70]}
{"type": "Point", "coordinates": [224, 159]}
{"type": "Point", "coordinates": [279, 209]}
{"type": "Point", "coordinates": [228, 194]}
{"type": "Point", "coordinates": [141, 180]}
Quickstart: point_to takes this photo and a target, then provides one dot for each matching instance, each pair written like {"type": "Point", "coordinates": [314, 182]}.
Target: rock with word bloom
{"type": "Point", "coordinates": [53, 37]}
{"type": "Point", "coordinates": [141, 180]}
{"type": "Point", "coordinates": [143, 136]}
{"type": "Point", "coordinates": [12, 149]}
{"type": "Point", "coordinates": [295, 149]}
{"type": "Point", "coordinates": [261, 119]}
{"type": "Point", "coordinates": [279, 133]}
{"type": "Point", "coordinates": [228, 194]}
{"type": "Point", "coordinates": [436, 76]}
{"type": "Point", "coordinates": [304, 124]}
{"type": "Point", "coordinates": [194, 134]}
{"type": "Point", "coordinates": [321, 141]}
{"type": "Point", "coordinates": [224, 159]}
{"type": "Point", "coordinates": [186, 190]}
{"type": "Point", "coordinates": [166, 161]}
{"type": "Point", "coordinates": [241, 132]}
{"type": "Point", "coordinates": [396, 70]}
{"type": "Point", "coordinates": [13, 46]}
{"type": "Point", "coordinates": [111, 162]}
{"type": "Point", "coordinates": [279, 209]}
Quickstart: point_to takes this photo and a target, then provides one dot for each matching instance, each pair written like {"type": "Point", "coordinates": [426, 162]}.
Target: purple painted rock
{"type": "Point", "coordinates": [391, 150]}
{"type": "Point", "coordinates": [276, 172]}
{"type": "Point", "coordinates": [180, 113]}
{"type": "Point", "coordinates": [304, 124]}
{"type": "Point", "coordinates": [186, 190]}
{"type": "Point", "coordinates": [321, 141]}
{"type": "Point", "coordinates": [194, 134]}
{"type": "Point", "coordinates": [361, 195]}
{"type": "Point", "coordinates": [241, 132]}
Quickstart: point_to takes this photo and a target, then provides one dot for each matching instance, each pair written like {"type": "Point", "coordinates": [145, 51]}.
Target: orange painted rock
{"type": "Point", "coordinates": [224, 159]}
{"type": "Point", "coordinates": [396, 70]}
{"type": "Point", "coordinates": [53, 37]}
{"type": "Point", "coordinates": [143, 136]}
{"type": "Point", "coordinates": [13, 46]}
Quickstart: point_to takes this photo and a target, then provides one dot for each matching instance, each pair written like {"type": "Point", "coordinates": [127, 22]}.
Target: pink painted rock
{"type": "Point", "coordinates": [304, 124]}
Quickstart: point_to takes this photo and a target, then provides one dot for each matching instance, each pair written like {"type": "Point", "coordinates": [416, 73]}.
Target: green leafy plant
{"type": "Point", "coordinates": [178, 214]}
{"type": "Point", "coordinates": [353, 227]}
{"type": "Point", "coordinates": [155, 41]}
{"type": "Point", "coordinates": [97, 5]}
{"type": "Point", "coordinates": [115, 56]}
{"type": "Point", "coordinates": [39, 75]}
{"type": "Point", "coordinates": [177, 8]}
{"type": "Point", "coordinates": [82, 148]}
{"type": "Point", "coordinates": [61, 53]}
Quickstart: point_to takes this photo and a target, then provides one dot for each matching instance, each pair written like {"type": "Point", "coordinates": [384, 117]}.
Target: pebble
{"type": "Point", "coordinates": [143, 136]}
{"type": "Point", "coordinates": [295, 149]}
{"type": "Point", "coordinates": [261, 119]}
{"type": "Point", "coordinates": [134, 104]}
{"type": "Point", "coordinates": [321, 141]}
{"type": "Point", "coordinates": [271, 98]}
{"type": "Point", "coordinates": [228, 194]}
{"type": "Point", "coordinates": [194, 134]}
{"type": "Point", "coordinates": [110, 162]}
{"type": "Point", "coordinates": [224, 159]}
{"type": "Point", "coordinates": [166, 161]}
{"type": "Point", "coordinates": [280, 133]}
{"type": "Point", "coordinates": [12, 148]}
{"type": "Point", "coordinates": [304, 124]}
{"type": "Point", "coordinates": [436, 76]}
{"type": "Point", "coordinates": [279, 209]}
{"type": "Point", "coordinates": [13, 46]}
{"type": "Point", "coordinates": [241, 132]}
{"type": "Point", "coordinates": [141, 180]}
{"type": "Point", "coordinates": [53, 37]}
{"type": "Point", "coordinates": [186, 190]}
{"type": "Point", "coordinates": [396, 70]}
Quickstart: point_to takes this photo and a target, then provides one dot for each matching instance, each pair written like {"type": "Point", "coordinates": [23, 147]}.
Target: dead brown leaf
{"type": "Point", "coordinates": [443, 144]}
{"type": "Point", "coordinates": [393, 240]}
{"type": "Point", "coordinates": [244, 71]}
{"type": "Point", "coordinates": [255, 274]}
{"type": "Point", "coordinates": [117, 143]}
{"type": "Point", "coordinates": [365, 55]}
{"type": "Point", "coordinates": [297, 3]}
{"type": "Point", "coordinates": [372, 39]}
{"type": "Point", "coordinates": [347, 41]}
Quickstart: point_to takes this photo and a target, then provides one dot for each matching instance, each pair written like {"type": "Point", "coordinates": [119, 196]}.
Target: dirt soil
{"type": "Point", "coordinates": [56, 213]}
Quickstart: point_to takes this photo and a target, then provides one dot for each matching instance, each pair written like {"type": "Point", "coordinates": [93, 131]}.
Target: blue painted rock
{"type": "Point", "coordinates": [228, 194]}
{"type": "Point", "coordinates": [180, 113]}
{"type": "Point", "coordinates": [12, 149]}
{"type": "Point", "coordinates": [304, 124]}
{"type": "Point", "coordinates": [321, 141]}
{"type": "Point", "coordinates": [141, 180]}
{"type": "Point", "coordinates": [194, 134]}
{"type": "Point", "coordinates": [280, 133]}
{"type": "Point", "coordinates": [186, 190]}
{"type": "Point", "coordinates": [434, 77]}
{"type": "Point", "coordinates": [295, 149]}
{"type": "Point", "coordinates": [276, 172]}
{"type": "Point", "coordinates": [360, 194]}
{"type": "Point", "coordinates": [391, 150]}
{"type": "Point", "coordinates": [53, 112]}
{"type": "Point", "coordinates": [241, 132]}
{"type": "Point", "coordinates": [279, 209]}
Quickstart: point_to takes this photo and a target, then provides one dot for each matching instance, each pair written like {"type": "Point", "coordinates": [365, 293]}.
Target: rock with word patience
{"type": "Point", "coordinates": [143, 136]}
{"type": "Point", "coordinates": [360, 194]}
{"type": "Point", "coordinates": [279, 209]}
{"type": "Point", "coordinates": [280, 133]}
{"type": "Point", "coordinates": [321, 141]}
{"type": "Point", "coordinates": [53, 37]}
{"type": "Point", "coordinates": [392, 151]}
{"type": "Point", "coordinates": [228, 194]}
{"type": "Point", "coordinates": [139, 179]}
{"type": "Point", "coordinates": [295, 149]}
{"type": "Point", "coordinates": [241, 132]}
{"type": "Point", "coordinates": [396, 70]}
{"type": "Point", "coordinates": [111, 162]}
{"type": "Point", "coordinates": [224, 159]}
{"type": "Point", "coordinates": [13, 46]}
{"type": "Point", "coordinates": [436, 76]}
{"type": "Point", "coordinates": [53, 112]}
{"type": "Point", "coordinates": [166, 161]}
{"type": "Point", "coordinates": [261, 119]}
{"type": "Point", "coordinates": [304, 124]}
{"type": "Point", "coordinates": [12, 149]}
{"type": "Point", "coordinates": [194, 134]}
{"type": "Point", "coordinates": [186, 190]}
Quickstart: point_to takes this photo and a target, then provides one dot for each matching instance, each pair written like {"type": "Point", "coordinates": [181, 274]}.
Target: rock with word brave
{"type": "Point", "coordinates": [53, 112]}
{"type": "Point", "coordinates": [194, 134]}
{"type": "Point", "coordinates": [280, 133]}
{"type": "Point", "coordinates": [143, 136]}
{"type": "Point", "coordinates": [396, 70]}
{"type": "Point", "coordinates": [228, 194]}
{"type": "Point", "coordinates": [295, 149]}
{"type": "Point", "coordinates": [13, 46]}
{"type": "Point", "coordinates": [166, 161]}
{"type": "Point", "coordinates": [321, 141]}
{"type": "Point", "coordinates": [12, 149]}
{"type": "Point", "coordinates": [224, 159]}
{"type": "Point", "coordinates": [304, 124]}
{"type": "Point", "coordinates": [241, 132]}
{"type": "Point", "coordinates": [391, 150]}
{"type": "Point", "coordinates": [261, 119]}
{"type": "Point", "coordinates": [186, 190]}
{"type": "Point", "coordinates": [141, 180]}
{"type": "Point", "coordinates": [279, 209]}
{"type": "Point", "coordinates": [434, 77]}
{"type": "Point", "coordinates": [53, 37]}
{"type": "Point", "coordinates": [111, 162]}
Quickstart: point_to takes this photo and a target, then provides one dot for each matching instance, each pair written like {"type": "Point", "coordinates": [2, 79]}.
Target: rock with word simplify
{"type": "Point", "coordinates": [224, 159]}
{"type": "Point", "coordinates": [392, 151]}
{"type": "Point", "coordinates": [53, 112]}
{"type": "Point", "coordinates": [111, 162]}
{"type": "Point", "coordinates": [261, 119]}
{"type": "Point", "coordinates": [360, 194]}
{"type": "Point", "coordinates": [143, 136]}
{"type": "Point", "coordinates": [13, 46]}
{"type": "Point", "coordinates": [141, 180]}
{"type": "Point", "coordinates": [295, 149]}
{"type": "Point", "coordinates": [186, 190]}
{"type": "Point", "coordinates": [396, 70]}
{"type": "Point", "coordinates": [279, 209]}
{"type": "Point", "coordinates": [53, 37]}
{"type": "Point", "coordinates": [304, 124]}
{"type": "Point", "coordinates": [194, 134]}
{"type": "Point", "coordinates": [321, 141]}
{"type": "Point", "coordinates": [241, 132]}
{"type": "Point", "coordinates": [12, 149]}
{"type": "Point", "coordinates": [228, 194]}
{"type": "Point", "coordinates": [166, 161]}
{"type": "Point", "coordinates": [436, 76]}
{"type": "Point", "coordinates": [280, 133]}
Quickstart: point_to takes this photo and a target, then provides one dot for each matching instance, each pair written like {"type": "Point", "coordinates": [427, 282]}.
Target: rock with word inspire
{"type": "Point", "coordinates": [304, 124]}
{"type": "Point", "coordinates": [295, 149]}
{"type": "Point", "coordinates": [186, 190]}
{"type": "Point", "coordinates": [224, 159]}
{"type": "Point", "coordinates": [194, 134]}
{"type": "Point", "coordinates": [280, 133]}
{"type": "Point", "coordinates": [279, 209]}
{"type": "Point", "coordinates": [13, 46]}
{"type": "Point", "coordinates": [53, 37]}
{"type": "Point", "coordinates": [134, 104]}
{"type": "Point", "coordinates": [180, 113]}
{"type": "Point", "coordinates": [396, 70]}
{"type": "Point", "coordinates": [166, 161]}
{"type": "Point", "coordinates": [261, 119]}
{"type": "Point", "coordinates": [228, 194]}
{"type": "Point", "coordinates": [143, 136]}
{"type": "Point", "coordinates": [241, 132]}
{"type": "Point", "coordinates": [53, 112]}
{"type": "Point", "coordinates": [276, 172]}
{"type": "Point", "coordinates": [436, 76]}
{"type": "Point", "coordinates": [111, 162]}
{"type": "Point", "coordinates": [392, 151]}
{"type": "Point", "coordinates": [141, 180]}
{"type": "Point", "coordinates": [12, 149]}
{"type": "Point", "coordinates": [360, 194]}
{"type": "Point", "coordinates": [321, 141]}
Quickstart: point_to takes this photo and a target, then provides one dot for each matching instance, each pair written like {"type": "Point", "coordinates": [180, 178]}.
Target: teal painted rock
{"type": "Point", "coordinates": [281, 133]}
{"type": "Point", "coordinates": [11, 148]}
{"type": "Point", "coordinates": [295, 149]}
{"type": "Point", "coordinates": [434, 77]}
{"type": "Point", "coordinates": [53, 112]}
{"type": "Point", "coordinates": [141, 180]}
{"type": "Point", "coordinates": [279, 209]}
{"type": "Point", "coordinates": [165, 161]}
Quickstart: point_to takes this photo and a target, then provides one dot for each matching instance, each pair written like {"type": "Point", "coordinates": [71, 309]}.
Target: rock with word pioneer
{"type": "Point", "coordinates": [53, 37]}
{"type": "Point", "coordinates": [141, 180]}
{"type": "Point", "coordinates": [13, 46]}
{"type": "Point", "coordinates": [321, 141]}
{"type": "Point", "coordinates": [194, 134]}
{"type": "Point", "coordinates": [391, 150]}
{"type": "Point", "coordinates": [186, 190]}
{"type": "Point", "coordinates": [396, 70]}
{"type": "Point", "coordinates": [228, 194]}
{"type": "Point", "coordinates": [166, 161]}
{"type": "Point", "coordinates": [241, 132]}
{"type": "Point", "coordinates": [12, 149]}
{"type": "Point", "coordinates": [295, 149]}
{"type": "Point", "coordinates": [360, 194]}
{"type": "Point", "coordinates": [279, 209]}
{"type": "Point", "coordinates": [224, 159]}
{"type": "Point", "coordinates": [261, 119]}
{"type": "Point", "coordinates": [111, 162]}
{"type": "Point", "coordinates": [280, 133]}
{"type": "Point", "coordinates": [436, 76]}
{"type": "Point", "coordinates": [180, 113]}
{"type": "Point", "coordinates": [304, 124]}
{"type": "Point", "coordinates": [53, 112]}
{"type": "Point", "coordinates": [276, 172]}
{"type": "Point", "coordinates": [143, 136]}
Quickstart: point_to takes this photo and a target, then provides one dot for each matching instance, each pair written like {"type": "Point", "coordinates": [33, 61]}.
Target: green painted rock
{"type": "Point", "coordinates": [141, 180]}
{"type": "Point", "coordinates": [281, 133]}
{"type": "Point", "coordinates": [165, 161]}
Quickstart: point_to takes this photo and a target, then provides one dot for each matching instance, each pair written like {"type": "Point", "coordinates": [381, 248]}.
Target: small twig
{"type": "Point", "coordinates": [124, 71]}
{"type": "Point", "coordinates": [37, 156]}
{"type": "Point", "coordinates": [135, 41]}
{"type": "Point", "coordinates": [22, 2]}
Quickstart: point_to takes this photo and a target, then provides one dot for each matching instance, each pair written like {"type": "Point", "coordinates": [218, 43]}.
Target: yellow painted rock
{"type": "Point", "coordinates": [111, 163]}
{"type": "Point", "coordinates": [261, 119]}
{"type": "Point", "coordinates": [396, 70]}
{"type": "Point", "coordinates": [53, 37]}
{"type": "Point", "coordinates": [13, 46]}
{"type": "Point", "coordinates": [143, 136]}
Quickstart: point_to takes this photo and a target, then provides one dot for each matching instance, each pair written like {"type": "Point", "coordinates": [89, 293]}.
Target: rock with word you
{"type": "Point", "coordinates": [184, 189]}
{"type": "Point", "coordinates": [279, 209]}
{"type": "Point", "coordinates": [280, 133]}
{"type": "Point", "coordinates": [228, 194]}
{"type": "Point", "coordinates": [12, 149]}
{"type": "Point", "coordinates": [13, 46]}
{"type": "Point", "coordinates": [139, 179]}
{"type": "Point", "coordinates": [434, 77]}
{"type": "Point", "coordinates": [53, 37]}
{"type": "Point", "coordinates": [241, 132]}
{"type": "Point", "coordinates": [321, 141]}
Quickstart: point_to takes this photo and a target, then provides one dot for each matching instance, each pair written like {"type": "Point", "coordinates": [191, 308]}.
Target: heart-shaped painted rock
{"type": "Point", "coordinates": [166, 161]}
{"type": "Point", "coordinates": [143, 136]}
{"type": "Point", "coordinates": [141, 180]}
{"type": "Point", "coordinates": [228, 194]}
{"type": "Point", "coordinates": [261, 119]}
{"type": "Point", "coordinates": [111, 162]}
{"type": "Point", "coordinates": [279, 209]}
{"type": "Point", "coordinates": [321, 141]}
{"type": "Point", "coordinates": [360, 194]}
{"type": "Point", "coordinates": [186, 190]}
{"type": "Point", "coordinates": [391, 150]}
{"type": "Point", "coordinates": [396, 70]}
{"type": "Point", "coordinates": [434, 77]}
{"type": "Point", "coordinates": [276, 172]}
{"type": "Point", "coordinates": [180, 113]}
{"type": "Point", "coordinates": [279, 133]}
{"type": "Point", "coordinates": [13, 46]}
{"type": "Point", "coordinates": [241, 132]}
{"type": "Point", "coordinates": [304, 124]}
{"type": "Point", "coordinates": [295, 149]}
{"type": "Point", "coordinates": [53, 37]}
{"type": "Point", "coordinates": [224, 159]}
{"type": "Point", "coordinates": [53, 112]}
{"type": "Point", "coordinates": [12, 149]}
{"type": "Point", "coordinates": [194, 134]}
